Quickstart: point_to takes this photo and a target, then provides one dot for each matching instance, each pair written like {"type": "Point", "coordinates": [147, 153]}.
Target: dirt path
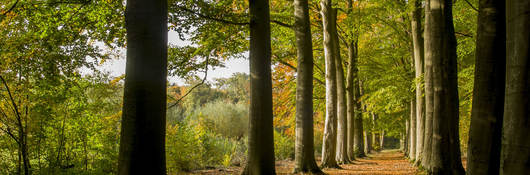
{"type": "Point", "coordinates": [387, 162]}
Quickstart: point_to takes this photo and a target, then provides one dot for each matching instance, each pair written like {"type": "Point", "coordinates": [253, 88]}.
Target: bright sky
{"type": "Point", "coordinates": [116, 67]}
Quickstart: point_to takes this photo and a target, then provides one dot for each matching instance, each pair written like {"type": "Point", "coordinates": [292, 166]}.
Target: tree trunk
{"type": "Point", "coordinates": [417, 40]}
{"type": "Point", "coordinates": [367, 141]}
{"type": "Point", "coordinates": [488, 93]}
{"type": "Point", "coordinates": [350, 99]}
{"type": "Point", "coordinates": [515, 156]}
{"type": "Point", "coordinates": [412, 139]}
{"type": "Point", "coordinates": [260, 141]}
{"type": "Point", "coordinates": [382, 139]}
{"type": "Point", "coordinates": [427, 132]}
{"type": "Point", "coordinates": [406, 140]}
{"type": "Point", "coordinates": [330, 126]}
{"type": "Point", "coordinates": [342, 123]}
{"type": "Point", "coordinates": [441, 49]}
{"type": "Point", "coordinates": [358, 129]}
{"type": "Point", "coordinates": [142, 145]}
{"type": "Point", "coordinates": [304, 147]}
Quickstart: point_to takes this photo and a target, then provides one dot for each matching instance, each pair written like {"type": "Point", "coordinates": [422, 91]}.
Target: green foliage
{"type": "Point", "coordinates": [283, 146]}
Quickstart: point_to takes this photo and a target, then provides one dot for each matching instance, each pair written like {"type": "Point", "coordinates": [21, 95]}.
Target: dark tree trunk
{"type": "Point", "coordinates": [429, 101]}
{"type": "Point", "coordinates": [488, 93]}
{"type": "Point", "coordinates": [260, 141]}
{"type": "Point", "coordinates": [142, 145]}
{"type": "Point", "coordinates": [342, 122]}
{"type": "Point", "coordinates": [441, 49]}
{"type": "Point", "coordinates": [304, 148]}
{"type": "Point", "coordinates": [330, 126]}
{"type": "Point", "coordinates": [417, 40]}
{"type": "Point", "coordinates": [358, 129]}
{"type": "Point", "coordinates": [515, 156]}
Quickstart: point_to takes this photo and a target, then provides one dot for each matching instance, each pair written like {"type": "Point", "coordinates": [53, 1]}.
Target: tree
{"type": "Point", "coordinates": [142, 145]}
{"type": "Point", "coordinates": [358, 128]}
{"type": "Point", "coordinates": [440, 48]}
{"type": "Point", "coordinates": [261, 140]}
{"type": "Point", "coordinates": [342, 121]}
{"type": "Point", "coordinates": [417, 41]}
{"type": "Point", "coordinates": [515, 153]}
{"type": "Point", "coordinates": [488, 93]}
{"type": "Point", "coordinates": [412, 131]}
{"type": "Point", "coordinates": [304, 146]}
{"type": "Point", "coordinates": [330, 125]}
{"type": "Point", "coordinates": [350, 98]}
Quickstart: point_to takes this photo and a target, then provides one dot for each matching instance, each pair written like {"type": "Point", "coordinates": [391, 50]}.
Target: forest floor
{"type": "Point", "coordinates": [386, 162]}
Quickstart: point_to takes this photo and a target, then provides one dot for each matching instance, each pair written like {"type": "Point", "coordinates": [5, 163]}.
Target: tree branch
{"type": "Point", "coordinates": [463, 34]}
{"type": "Point", "coordinates": [11, 8]}
{"type": "Point", "coordinates": [212, 18]}
{"type": "Point", "coordinates": [197, 85]}
{"type": "Point", "coordinates": [471, 5]}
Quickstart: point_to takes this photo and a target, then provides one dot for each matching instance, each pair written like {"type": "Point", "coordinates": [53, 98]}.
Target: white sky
{"type": "Point", "coordinates": [116, 67]}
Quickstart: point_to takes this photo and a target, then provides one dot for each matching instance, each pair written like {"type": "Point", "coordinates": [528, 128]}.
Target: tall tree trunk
{"type": "Point", "coordinates": [429, 101]}
{"type": "Point", "coordinates": [142, 145]}
{"type": "Point", "coordinates": [382, 139]}
{"type": "Point", "coordinates": [441, 49]}
{"type": "Point", "coordinates": [342, 122]}
{"type": "Point", "coordinates": [488, 93]}
{"type": "Point", "coordinates": [358, 129]}
{"type": "Point", "coordinates": [374, 134]}
{"type": "Point", "coordinates": [304, 153]}
{"type": "Point", "coordinates": [406, 140]}
{"type": "Point", "coordinates": [417, 40]}
{"type": "Point", "coordinates": [367, 141]}
{"type": "Point", "coordinates": [261, 140]}
{"type": "Point", "coordinates": [515, 156]}
{"type": "Point", "coordinates": [330, 126]}
{"type": "Point", "coordinates": [412, 140]}
{"type": "Point", "coordinates": [350, 99]}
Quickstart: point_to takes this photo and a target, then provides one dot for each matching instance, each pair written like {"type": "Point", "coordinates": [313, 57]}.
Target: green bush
{"type": "Point", "coordinates": [283, 146]}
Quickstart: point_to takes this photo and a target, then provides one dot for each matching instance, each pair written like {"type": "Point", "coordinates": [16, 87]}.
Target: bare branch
{"type": "Point", "coordinates": [197, 85]}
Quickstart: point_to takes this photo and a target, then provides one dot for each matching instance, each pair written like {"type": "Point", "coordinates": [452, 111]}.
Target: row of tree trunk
{"type": "Point", "coordinates": [498, 139]}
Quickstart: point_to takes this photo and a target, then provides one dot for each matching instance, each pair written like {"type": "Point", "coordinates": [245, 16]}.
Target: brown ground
{"type": "Point", "coordinates": [387, 162]}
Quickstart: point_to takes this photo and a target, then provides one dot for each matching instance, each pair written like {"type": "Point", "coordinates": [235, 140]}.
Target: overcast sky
{"type": "Point", "coordinates": [117, 67]}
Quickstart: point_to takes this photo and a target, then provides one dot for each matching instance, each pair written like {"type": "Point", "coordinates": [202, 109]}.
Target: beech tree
{"type": "Point", "coordinates": [417, 41]}
{"type": "Point", "coordinates": [260, 139]}
{"type": "Point", "coordinates": [488, 93]}
{"type": "Point", "coordinates": [342, 121]}
{"type": "Point", "coordinates": [440, 50]}
{"type": "Point", "coordinates": [515, 153]}
{"type": "Point", "coordinates": [330, 126]}
{"type": "Point", "coordinates": [304, 146]}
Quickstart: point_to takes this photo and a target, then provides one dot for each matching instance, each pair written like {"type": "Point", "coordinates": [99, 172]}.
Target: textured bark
{"type": "Point", "coordinates": [330, 127]}
{"type": "Point", "coordinates": [142, 141]}
{"type": "Point", "coordinates": [441, 49]}
{"type": "Point", "coordinates": [515, 156]}
{"type": "Point", "coordinates": [304, 147]}
{"type": "Point", "coordinates": [427, 132]}
{"type": "Point", "coordinates": [412, 130]}
{"type": "Point", "coordinates": [260, 140]}
{"type": "Point", "coordinates": [358, 129]}
{"type": "Point", "coordinates": [342, 122]}
{"type": "Point", "coordinates": [350, 98]}
{"type": "Point", "coordinates": [488, 93]}
{"type": "Point", "coordinates": [417, 40]}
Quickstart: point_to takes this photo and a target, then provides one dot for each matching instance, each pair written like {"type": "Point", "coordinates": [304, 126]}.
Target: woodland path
{"type": "Point", "coordinates": [386, 162]}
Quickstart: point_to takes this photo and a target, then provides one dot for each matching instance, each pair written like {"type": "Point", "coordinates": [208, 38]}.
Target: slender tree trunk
{"type": "Point", "coordinates": [260, 141]}
{"type": "Point", "coordinates": [374, 134]}
{"type": "Point", "coordinates": [330, 126]}
{"type": "Point", "coordinates": [142, 145]}
{"type": "Point", "coordinates": [304, 147]}
{"type": "Point", "coordinates": [488, 93]}
{"type": "Point", "coordinates": [515, 156]}
{"type": "Point", "coordinates": [342, 122]}
{"type": "Point", "coordinates": [429, 98]}
{"type": "Point", "coordinates": [367, 141]}
{"type": "Point", "coordinates": [358, 129]}
{"type": "Point", "coordinates": [406, 139]}
{"type": "Point", "coordinates": [417, 40]}
{"type": "Point", "coordinates": [412, 140]}
{"type": "Point", "coordinates": [382, 140]}
{"type": "Point", "coordinates": [441, 49]}
{"type": "Point", "coordinates": [350, 99]}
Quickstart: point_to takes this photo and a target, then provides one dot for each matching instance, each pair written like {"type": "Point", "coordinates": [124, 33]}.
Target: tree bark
{"type": "Point", "coordinates": [330, 126]}
{"type": "Point", "coordinates": [260, 141]}
{"type": "Point", "coordinates": [441, 49]}
{"type": "Point", "coordinates": [142, 145]}
{"type": "Point", "coordinates": [515, 156]}
{"type": "Point", "coordinates": [412, 139]}
{"type": "Point", "coordinates": [342, 122]}
{"type": "Point", "coordinates": [406, 138]}
{"type": "Point", "coordinates": [488, 93]}
{"type": "Point", "coordinates": [350, 98]}
{"type": "Point", "coordinates": [358, 129]}
{"type": "Point", "coordinates": [417, 40]}
{"type": "Point", "coordinates": [304, 146]}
